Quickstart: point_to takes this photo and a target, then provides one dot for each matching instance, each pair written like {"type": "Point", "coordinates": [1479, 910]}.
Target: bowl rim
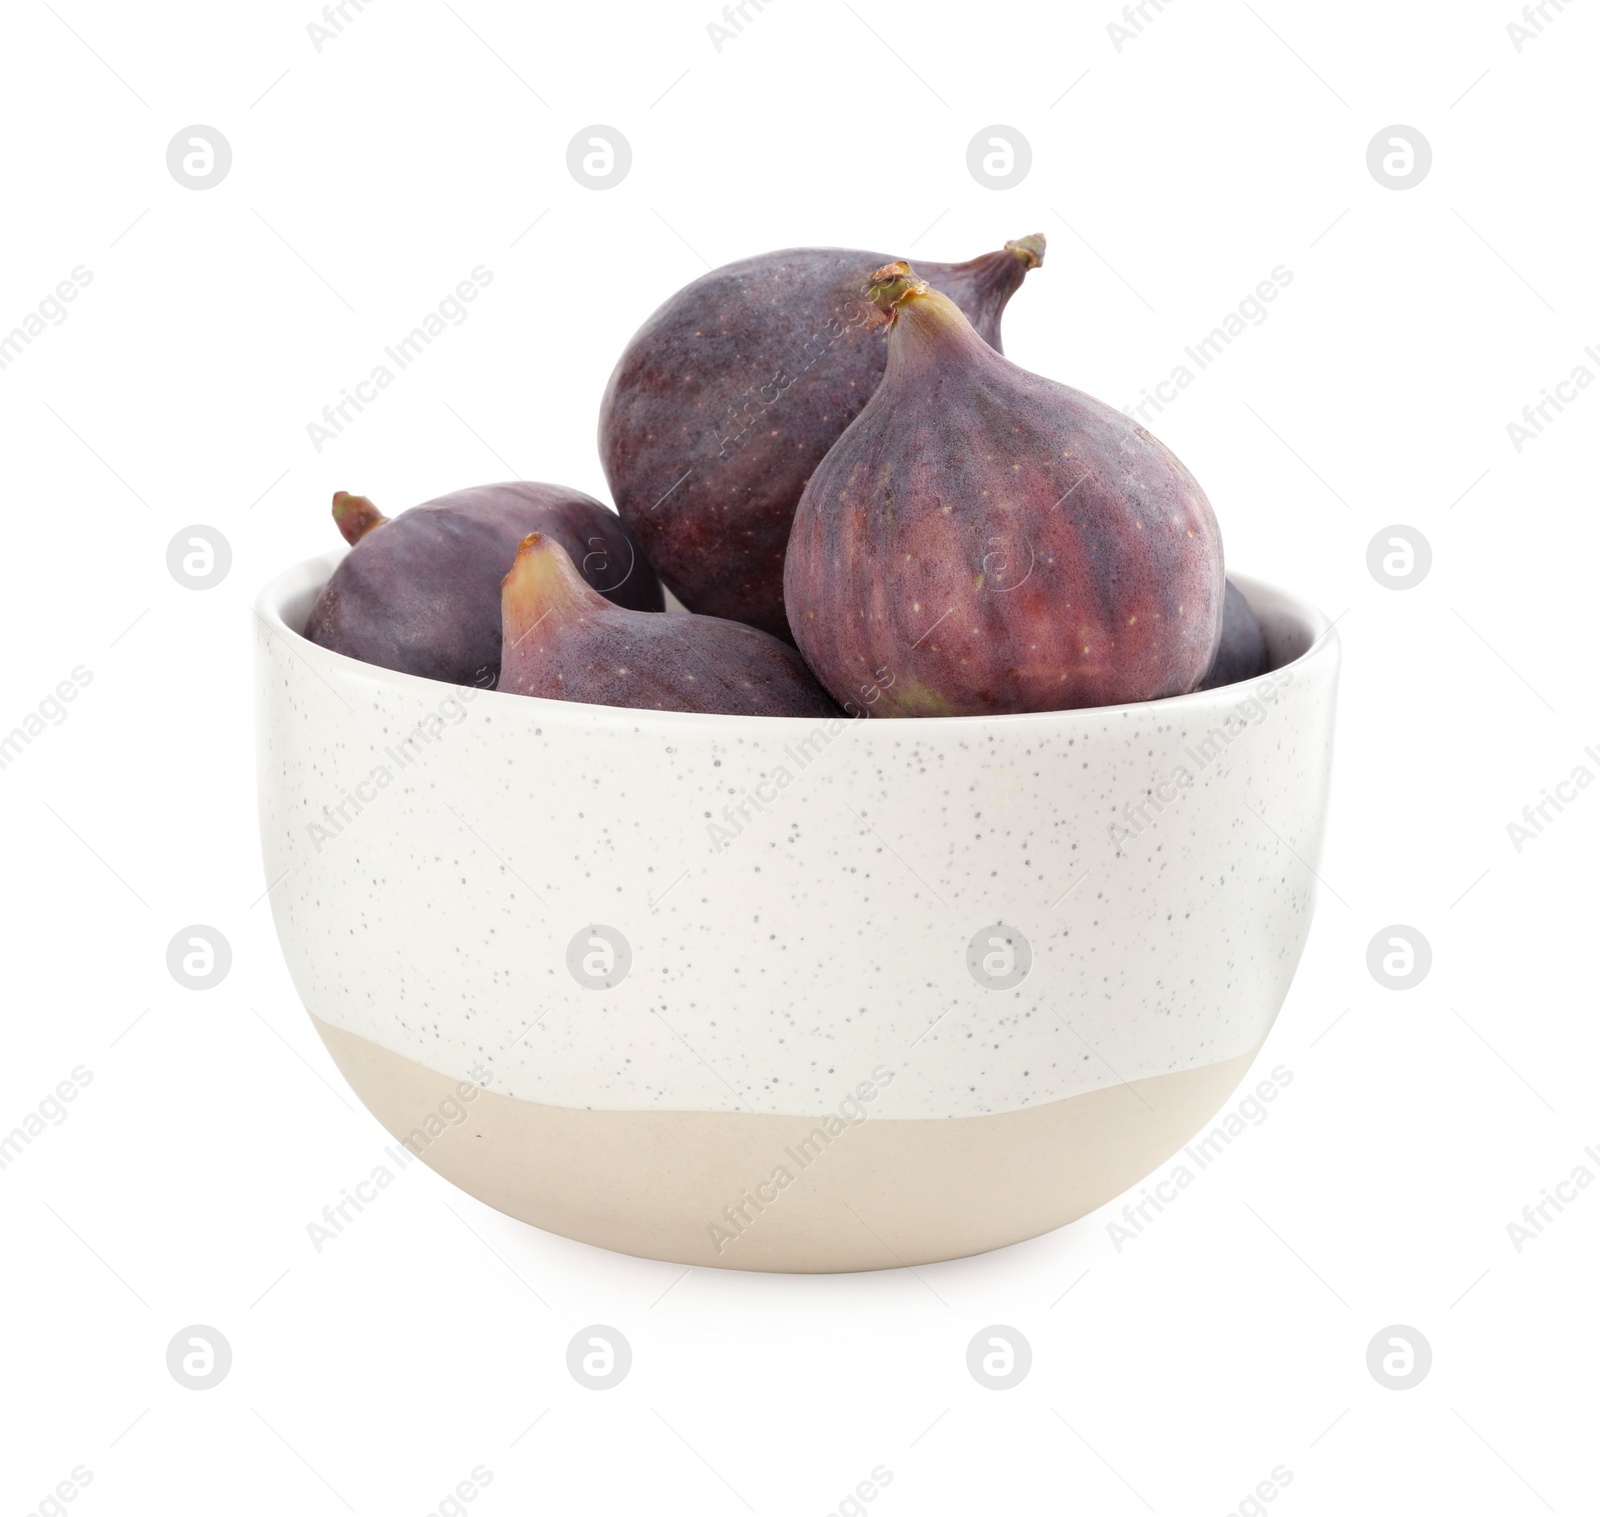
{"type": "Point", "coordinates": [310, 574]}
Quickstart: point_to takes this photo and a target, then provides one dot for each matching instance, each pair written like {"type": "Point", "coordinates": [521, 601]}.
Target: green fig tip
{"type": "Point", "coordinates": [1029, 249]}
{"type": "Point", "coordinates": [526, 549]}
{"type": "Point", "coordinates": [890, 285]}
{"type": "Point", "coordinates": [355, 515]}
{"type": "Point", "coordinates": [543, 572]}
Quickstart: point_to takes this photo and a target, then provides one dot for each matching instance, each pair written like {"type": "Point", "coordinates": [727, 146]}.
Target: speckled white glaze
{"type": "Point", "coordinates": [780, 960]}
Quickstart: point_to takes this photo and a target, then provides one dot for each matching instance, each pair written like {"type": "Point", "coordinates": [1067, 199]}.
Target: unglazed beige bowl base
{"type": "Point", "coordinates": [690, 1187]}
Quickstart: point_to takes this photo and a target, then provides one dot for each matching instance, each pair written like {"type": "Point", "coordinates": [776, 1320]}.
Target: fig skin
{"type": "Point", "coordinates": [730, 394]}
{"type": "Point", "coordinates": [1242, 652]}
{"type": "Point", "coordinates": [564, 642]}
{"type": "Point", "coordinates": [421, 593]}
{"type": "Point", "coordinates": [983, 540]}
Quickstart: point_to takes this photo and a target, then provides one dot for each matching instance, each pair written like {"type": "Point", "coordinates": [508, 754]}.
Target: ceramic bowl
{"type": "Point", "coordinates": [781, 993]}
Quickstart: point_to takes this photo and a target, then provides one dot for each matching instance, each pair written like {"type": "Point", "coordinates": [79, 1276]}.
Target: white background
{"type": "Point", "coordinates": [1170, 177]}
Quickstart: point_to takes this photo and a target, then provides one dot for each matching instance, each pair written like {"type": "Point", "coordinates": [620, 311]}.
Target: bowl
{"type": "Point", "coordinates": [780, 993]}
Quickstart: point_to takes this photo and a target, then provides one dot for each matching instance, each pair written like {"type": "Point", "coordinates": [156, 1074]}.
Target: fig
{"type": "Point", "coordinates": [421, 593]}
{"type": "Point", "coordinates": [731, 393]}
{"type": "Point", "coordinates": [566, 643]}
{"type": "Point", "coordinates": [982, 540]}
{"type": "Point", "coordinates": [1242, 653]}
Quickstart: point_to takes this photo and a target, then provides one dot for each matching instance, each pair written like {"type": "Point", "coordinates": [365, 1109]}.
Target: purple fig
{"type": "Point", "coordinates": [421, 593]}
{"type": "Point", "coordinates": [1242, 653]}
{"type": "Point", "coordinates": [982, 540]}
{"type": "Point", "coordinates": [566, 643]}
{"type": "Point", "coordinates": [731, 393]}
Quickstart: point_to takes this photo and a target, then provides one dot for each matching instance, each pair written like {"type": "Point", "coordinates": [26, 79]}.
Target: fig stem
{"type": "Point", "coordinates": [355, 515]}
{"type": "Point", "coordinates": [1029, 249]}
{"type": "Point", "coordinates": [890, 285]}
{"type": "Point", "coordinates": [936, 317]}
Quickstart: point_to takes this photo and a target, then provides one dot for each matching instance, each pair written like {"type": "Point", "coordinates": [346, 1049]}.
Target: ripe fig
{"type": "Point", "coordinates": [421, 593]}
{"type": "Point", "coordinates": [731, 393]}
{"type": "Point", "coordinates": [566, 643]}
{"type": "Point", "coordinates": [1242, 653]}
{"type": "Point", "coordinates": [982, 540]}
